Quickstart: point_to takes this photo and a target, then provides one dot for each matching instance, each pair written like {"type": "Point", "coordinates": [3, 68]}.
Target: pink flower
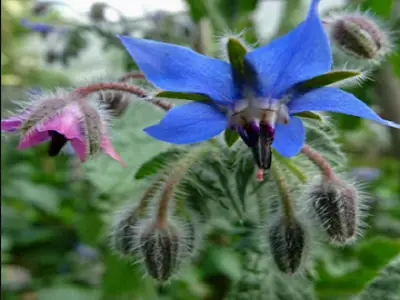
{"type": "Point", "coordinates": [75, 122]}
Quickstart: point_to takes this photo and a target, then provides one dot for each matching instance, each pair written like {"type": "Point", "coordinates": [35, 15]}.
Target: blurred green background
{"type": "Point", "coordinates": [55, 211]}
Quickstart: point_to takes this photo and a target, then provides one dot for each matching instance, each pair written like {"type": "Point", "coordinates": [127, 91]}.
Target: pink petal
{"type": "Point", "coordinates": [80, 149]}
{"type": "Point", "coordinates": [67, 122]}
{"type": "Point", "coordinates": [33, 138]}
{"type": "Point", "coordinates": [11, 124]}
{"type": "Point", "coordinates": [14, 122]}
{"type": "Point", "coordinates": [108, 148]}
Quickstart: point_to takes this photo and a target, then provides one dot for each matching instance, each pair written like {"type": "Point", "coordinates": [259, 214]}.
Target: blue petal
{"type": "Point", "coordinates": [335, 100]}
{"type": "Point", "coordinates": [179, 69]}
{"type": "Point", "coordinates": [189, 123]}
{"type": "Point", "coordinates": [299, 55]}
{"type": "Point", "coordinates": [289, 138]}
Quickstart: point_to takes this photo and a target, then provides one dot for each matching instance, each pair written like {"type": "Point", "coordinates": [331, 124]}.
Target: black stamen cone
{"type": "Point", "coordinates": [262, 153]}
{"type": "Point", "coordinates": [56, 143]}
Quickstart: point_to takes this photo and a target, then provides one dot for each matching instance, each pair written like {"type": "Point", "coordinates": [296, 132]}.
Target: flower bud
{"type": "Point", "coordinates": [123, 234]}
{"type": "Point", "coordinates": [335, 207]}
{"type": "Point", "coordinates": [287, 240]}
{"type": "Point", "coordinates": [115, 102]}
{"type": "Point", "coordinates": [359, 36]}
{"type": "Point", "coordinates": [162, 248]}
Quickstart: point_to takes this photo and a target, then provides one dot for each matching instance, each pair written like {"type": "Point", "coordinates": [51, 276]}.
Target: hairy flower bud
{"type": "Point", "coordinates": [359, 36]}
{"type": "Point", "coordinates": [123, 233]}
{"type": "Point", "coordinates": [287, 240]}
{"type": "Point", "coordinates": [162, 248]}
{"type": "Point", "coordinates": [115, 102]}
{"type": "Point", "coordinates": [335, 206]}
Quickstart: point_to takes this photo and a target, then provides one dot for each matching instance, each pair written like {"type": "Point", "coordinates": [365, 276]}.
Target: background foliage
{"type": "Point", "coordinates": [55, 211]}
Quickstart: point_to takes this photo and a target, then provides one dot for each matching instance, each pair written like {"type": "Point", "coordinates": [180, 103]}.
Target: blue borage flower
{"type": "Point", "coordinates": [263, 106]}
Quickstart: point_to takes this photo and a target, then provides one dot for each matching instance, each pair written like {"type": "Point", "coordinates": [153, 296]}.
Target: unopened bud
{"type": "Point", "coordinates": [115, 102]}
{"type": "Point", "coordinates": [287, 240]}
{"type": "Point", "coordinates": [359, 36]}
{"type": "Point", "coordinates": [123, 234]}
{"type": "Point", "coordinates": [336, 208]}
{"type": "Point", "coordinates": [162, 248]}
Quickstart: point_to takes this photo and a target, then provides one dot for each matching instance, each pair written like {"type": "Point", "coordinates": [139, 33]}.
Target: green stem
{"type": "Point", "coordinates": [283, 191]}
{"type": "Point", "coordinates": [291, 166]}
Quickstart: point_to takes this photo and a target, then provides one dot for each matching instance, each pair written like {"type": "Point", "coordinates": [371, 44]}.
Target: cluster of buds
{"type": "Point", "coordinates": [159, 236]}
{"type": "Point", "coordinates": [359, 37]}
{"type": "Point", "coordinates": [333, 210]}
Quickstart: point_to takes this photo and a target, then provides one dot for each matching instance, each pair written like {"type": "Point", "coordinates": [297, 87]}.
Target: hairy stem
{"type": "Point", "coordinates": [291, 166]}
{"type": "Point", "coordinates": [178, 171]}
{"type": "Point", "coordinates": [283, 191]}
{"type": "Point", "coordinates": [149, 193]}
{"type": "Point", "coordinates": [117, 86]}
{"type": "Point", "coordinates": [122, 87]}
{"type": "Point", "coordinates": [319, 161]}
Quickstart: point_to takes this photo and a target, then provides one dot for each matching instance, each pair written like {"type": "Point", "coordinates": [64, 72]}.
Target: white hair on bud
{"type": "Point", "coordinates": [360, 207]}
{"type": "Point", "coordinates": [222, 41]}
{"type": "Point", "coordinates": [386, 38]}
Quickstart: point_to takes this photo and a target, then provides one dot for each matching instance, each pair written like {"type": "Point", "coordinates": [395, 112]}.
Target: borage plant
{"type": "Point", "coordinates": [279, 190]}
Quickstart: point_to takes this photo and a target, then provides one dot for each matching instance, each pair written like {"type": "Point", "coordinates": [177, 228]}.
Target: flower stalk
{"type": "Point", "coordinates": [283, 192]}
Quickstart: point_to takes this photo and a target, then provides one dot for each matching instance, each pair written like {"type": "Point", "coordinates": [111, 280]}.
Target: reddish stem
{"type": "Point", "coordinates": [117, 86]}
{"type": "Point", "coordinates": [122, 87]}
{"type": "Point", "coordinates": [319, 161]}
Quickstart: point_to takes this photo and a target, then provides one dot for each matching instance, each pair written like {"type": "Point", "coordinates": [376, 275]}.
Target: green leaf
{"type": "Point", "coordinates": [230, 137]}
{"type": "Point", "coordinates": [236, 53]}
{"type": "Point", "coordinates": [386, 285]}
{"type": "Point", "coordinates": [381, 8]}
{"type": "Point", "coordinates": [223, 260]}
{"type": "Point", "coordinates": [327, 78]}
{"type": "Point", "coordinates": [182, 96]}
{"type": "Point", "coordinates": [124, 278]}
{"type": "Point", "coordinates": [373, 255]}
{"type": "Point", "coordinates": [155, 163]}
{"type": "Point", "coordinates": [309, 115]}
{"type": "Point", "coordinates": [89, 226]}
{"type": "Point", "coordinates": [133, 145]}
{"type": "Point", "coordinates": [68, 292]}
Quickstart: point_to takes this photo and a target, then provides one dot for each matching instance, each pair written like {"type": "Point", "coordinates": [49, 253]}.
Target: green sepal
{"type": "Point", "coordinates": [230, 137]}
{"type": "Point", "coordinates": [309, 115]}
{"type": "Point", "coordinates": [182, 96]}
{"type": "Point", "coordinates": [327, 78]}
{"type": "Point", "coordinates": [236, 52]}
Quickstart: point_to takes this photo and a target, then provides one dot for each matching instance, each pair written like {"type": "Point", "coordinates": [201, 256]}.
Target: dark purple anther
{"type": "Point", "coordinates": [56, 143]}
{"type": "Point", "coordinates": [264, 145]}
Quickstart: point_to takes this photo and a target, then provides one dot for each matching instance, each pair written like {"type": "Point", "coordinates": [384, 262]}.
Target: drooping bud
{"type": "Point", "coordinates": [163, 246]}
{"type": "Point", "coordinates": [115, 102]}
{"type": "Point", "coordinates": [123, 233]}
{"type": "Point", "coordinates": [287, 240]}
{"type": "Point", "coordinates": [359, 36]}
{"type": "Point", "coordinates": [335, 206]}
